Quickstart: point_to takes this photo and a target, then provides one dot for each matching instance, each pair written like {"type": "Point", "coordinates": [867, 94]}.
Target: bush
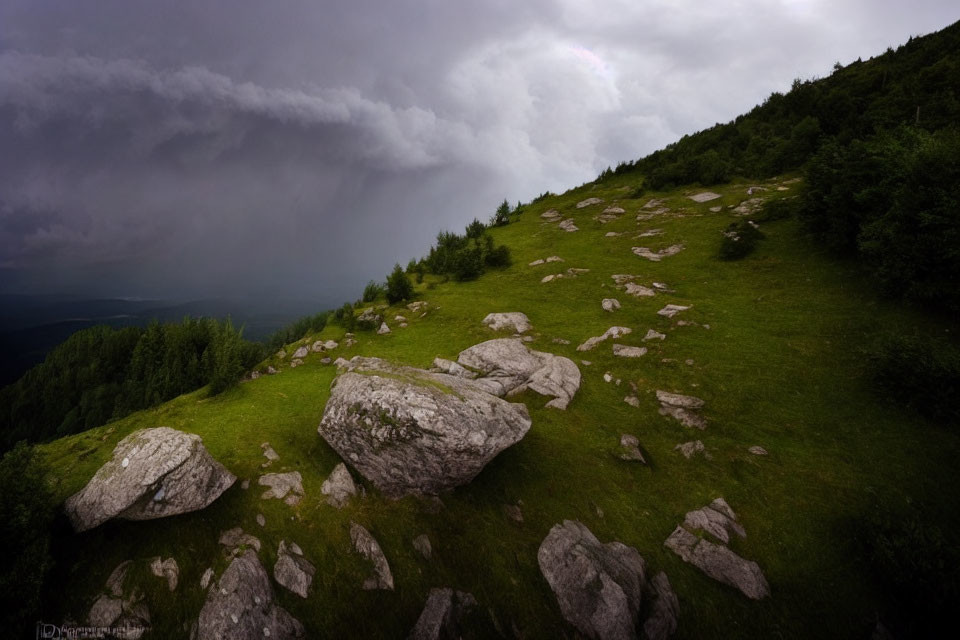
{"type": "Point", "coordinates": [739, 240]}
{"type": "Point", "coordinates": [26, 517]}
{"type": "Point", "coordinates": [398, 286]}
{"type": "Point", "coordinates": [920, 372]}
{"type": "Point", "coordinates": [345, 316]}
{"type": "Point", "coordinates": [499, 257]}
{"type": "Point", "coordinates": [468, 264]}
{"type": "Point", "coordinates": [502, 215]}
{"type": "Point", "coordinates": [372, 291]}
{"type": "Point", "coordinates": [779, 209]}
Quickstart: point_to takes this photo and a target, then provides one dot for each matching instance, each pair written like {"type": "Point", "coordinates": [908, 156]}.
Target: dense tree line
{"type": "Point", "coordinates": [102, 374]}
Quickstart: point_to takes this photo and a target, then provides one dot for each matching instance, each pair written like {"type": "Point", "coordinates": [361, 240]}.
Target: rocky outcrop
{"type": "Point", "coordinates": [568, 225]}
{"type": "Point", "coordinates": [241, 606]}
{"type": "Point", "coordinates": [512, 321]}
{"type": "Point", "coordinates": [234, 539]}
{"type": "Point", "coordinates": [168, 569]}
{"type": "Point", "coordinates": [612, 332]}
{"type": "Point", "coordinates": [682, 408]}
{"type": "Point", "coordinates": [626, 351]}
{"type": "Point", "coordinates": [339, 487]}
{"type": "Point", "coordinates": [510, 367]}
{"type": "Point", "coordinates": [302, 352]}
{"type": "Point", "coordinates": [283, 486]}
{"type": "Point", "coordinates": [153, 473]}
{"type": "Point", "coordinates": [122, 606]}
{"type": "Point", "coordinates": [442, 615]}
{"type": "Point", "coordinates": [705, 196]}
{"type": "Point", "coordinates": [293, 571]}
{"type": "Point", "coordinates": [367, 546]}
{"type": "Point", "coordinates": [442, 365]}
{"type": "Point", "coordinates": [671, 310]}
{"type": "Point", "coordinates": [410, 431]}
{"type": "Point", "coordinates": [630, 448]}
{"type": "Point", "coordinates": [716, 560]}
{"type": "Point", "coordinates": [610, 304]}
{"type": "Point", "coordinates": [657, 256]}
{"type": "Point", "coordinates": [599, 587]}
{"type": "Point", "coordinates": [588, 202]}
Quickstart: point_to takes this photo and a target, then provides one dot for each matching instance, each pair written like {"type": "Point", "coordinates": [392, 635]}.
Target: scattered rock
{"type": "Point", "coordinates": [551, 277]}
{"type": "Point", "coordinates": [630, 449]}
{"type": "Point", "coordinates": [622, 278]}
{"type": "Point", "coordinates": [292, 570]}
{"type": "Point", "coordinates": [271, 371]}
{"type": "Point", "coordinates": [550, 215]}
{"type": "Point", "coordinates": [757, 450]}
{"type": "Point", "coordinates": [613, 234]}
{"type": "Point", "coordinates": [513, 512]}
{"type": "Point", "coordinates": [302, 352]}
{"type": "Point", "coordinates": [245, 484]}
{"type": "Point", "coordinates": [705, 196]}
{"type": "Point", "coordinates": [384, 329]}
{"type": "Point", "coordinates": [412, 431]}
{"type": "Point", "coordinates": [452, 368]}
{"type": "Point", "coordinates": [422, 544]}
{"type": "Point", "coordinates": [586, 363]}
{"type": "Point", "coordinates": [536, 263]}
{"type": "Point", "coordinates": [638, 290]}
{"type": "Point", "coordinates": [612, 332]}
{"type": "Point", "coordinates": [716, 560]}
{"type": "Point", "coordinates": [415, 307]}
{"type": "Point", "coordinates": [568, 225]}
{"type": "Point", "coordinates": [649, 254]}
{"type": "Point", "coordinates": [661, 622]}
{"type": "Point", "coordinates": [610, 304]}
{"type": "Point", "coordinates": [617, 210]}
{"type": "Point", "coordinates": [681, 408]}
{"type": "Point", "coordinates": [607, 377]}
{"type": "Point", "coordinates": [399, 318]}
{"type": "Point", "coordinates": [748, 207]}
{"type": "Point", "coordinates": [261, 520]}
{"type": "Point", "coordinates": [296, 362]}
{"type": "Point", "coordinates": [574, 272]}
{"type": "Point", "coordinates": [236, 538]}
{"type": "Point", "coordinates": [367, 546]}
{"type": "Point", "coordinates": [717, 519]}
{"type": "Point", "coordinates": [625, 351]}
{"type": "Point", "coordinates": [598, 586]}
{"type": "Point", "coordinates": [442, 615]}
{"type": "Point", "coordinates": [281, 354]}
{"type": "Point", "coordinates": [671, 310]}
{"type": "Point", "coordinates": [283, 486]}
{"type": "Point", "coordinates": [650, 233]}
{"type": "Point", "coordinates": [511, 321]}
{"type": "Point", "coordinates": [690, 449]}
{"type": "Point", "coordinates": [716, 209]}
{"type": "Point", "coordinates": [206, 578]}
{"type": "Point", "coordinates": [326, 360]}
{"type": "Point", "coordinates": [632, 400]}
{"type": "Point", "coordinates": [652, 334]}
{"type": "Point", "coordinates": [370, 318]}
{"type": "Point", "coordinates": [168, 569]}
{"type": "Point", "coordinates": [153, 473]}
{"type": "Point", "coordinates": [339, 487]}
{"type": "Point", "coordinates": [241, 605]}
{"type": "Point", "coordinates": [268, 452]}
{"type": "Point", "coordinates": [553, 259]}
{"type": "Point", "coordinates": [560, 341]}
{"type": "Point", "coordinates": [510, 367]}
{"type": "Point", "coordinates": [588, 202]}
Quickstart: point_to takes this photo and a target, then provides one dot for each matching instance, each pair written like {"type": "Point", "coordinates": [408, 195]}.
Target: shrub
{"type": "Point", "coordinates": [345, 316]}
{"type": "Point", "coordinates": [917, 371]}
{"type": "Point", "coordinates": [739, 240]}
{"type": "Point", "coordinates": [502, 215]}
{"type": "Point", "coordinates": [476, 229]}
{"type": "Point", "coordinates": [779, 209]}
{"type": "Point", "coordinates": [637, 192]}
{"type": "Point", "coordinates": [26, 517]}
{"type": "Point", "coordinates": [398, 286]}
{"type": "Point", "coordinates": [372, 291]}
{"type": "Point", "coordinates": [499, 257]}
{"type": "Point", "coordinates": [468, 264]}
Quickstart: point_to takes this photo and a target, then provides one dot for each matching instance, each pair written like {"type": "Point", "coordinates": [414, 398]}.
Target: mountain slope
{"type": "Point", "coordinates": [779, 367]}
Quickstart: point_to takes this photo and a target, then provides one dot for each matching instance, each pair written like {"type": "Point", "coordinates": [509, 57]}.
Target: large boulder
{"type": "Point", "coordinates": [599, 586]}
{"type": "Point", "coordinates": [241, 606]}
{"type": "Point", "coordinates": [153, 473]}
{"type": "Point", "coordinates": [509, 367]}
{"type": "Point", "coordinates": [410, 431]}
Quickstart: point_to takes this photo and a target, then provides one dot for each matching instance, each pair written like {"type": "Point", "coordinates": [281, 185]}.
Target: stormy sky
{"type": "Point", "coordinates": [206, 148]}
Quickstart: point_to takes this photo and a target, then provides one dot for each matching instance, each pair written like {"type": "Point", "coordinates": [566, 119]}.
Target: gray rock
{"type": "Point", "coordinates": [384, 329]}
{"type": "Point", "coordinates": [612, 332]}
{"type": "Point", "coordinates": [553, 259]}
{"type": "Point", "coordinates": [626, 351]}
{"type": "Point", "coordinates": [282, 485]}
{"type": "Point", "coordinates": [296, 362]}
{"type": "Point", "coordinates": [717, 519]}
{"type": "Point", "coordinates": [206, 578]}
{"type": "Point", "coordinates": [551, 277]}
{"type": "Point", "coordinates": [292, 570]}
{"type": "Point", "coordinates": [241, 606]}
{"type": "Point", "coordinates": [122, 607]}
{"type": "Point", "coordinates": [168, 569]}
{"type": "Point", "coordinates": [632, 400]}
{"type": "Point", "coordinates": [598, 586]}
{"type": "Point", "coordinates": [568, 225]}
{"type": "Point", "coordinates": [236, 538]}
{"type": "Point", "coordinates": [268, 452]}
{"type": "Point", "coordinates": [705, 196]}
{"type": "Point", "coordinates": [302, 352]}
{"type": "Point", "coordinates": [261, 520]}
{"type": "Point", "coordinates": [442, 615]}
{"type": "Point", "coordinates": [650, 233]}
{"type": "Point", "coordinates": [422, 544]}
{"type": "Point", "coordinates": [638, 290]}
{"type": "Point", "coordinates": [271, 371]}
{"type": "Point", "coordinates": [682, 408]}
{"type": "Point", "coordinates": [245, 484]}
{"type": "Point", "coordinates": [690, 449]}
{"type": "Point", "coordinates": [512, 321]}
{"type": "Point", "coordinates": [153, 473]}
{"type": "Point", "coordinates": [677, 400]}
{"type": "Point", "coordinates": [550, 215]}
{"type": "Point", "coordinates": [281, 354]}
{"type": "Point", "coordinates": [452, 368]}
{"type": "Point", "coordinates": [417, 306]}
{"type": "Point", "coordinates": [718, 562]}
{"type": "Point", "coordinates": [622, 278]}
{"type": "Point", "coordinates": [757, 451]}
{"type": "Point", "coordinates": [653, 334]}
{"type": "Point", "coordinates": [510, 367]}
{"type": "Point", "coordinates": [400, 319]}
{"type": "Point", "coordinates": [661, 622]}
{"type": "Point", "coordinates": [610, 304]}
{"type": "Point", "coordinates": [339, 487]}
{"type": "Point", "coordinates": [105, 611]}
{"type": "Point", "coordinates": [630, 449]}
{"type": "Point", "coordinates": [117, 577]}
{"type": "Point", "coordinates": [369, 317]}
{"type": "Point", "coordinates": [657, 256]}
{"type": "Point", "coordinates": [411, 431]}
{"type": "Point", "coordinates": [513, 512]}
{"type": "Point", "coordinates": [614, 210]}
{"type": "Point", "coordinates": [367, 546]}
{"type": "Point", "coordinates": [588, 202]}
{"type": "Point", "coordinates": [536, 263]}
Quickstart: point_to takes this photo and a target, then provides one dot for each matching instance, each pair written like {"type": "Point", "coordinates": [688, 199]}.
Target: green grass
{"type": "Point", "coordinates": [780, 367]}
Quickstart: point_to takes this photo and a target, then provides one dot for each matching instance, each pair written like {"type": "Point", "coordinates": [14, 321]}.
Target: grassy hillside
{"type": "Point", "coordinates": [780, 366]}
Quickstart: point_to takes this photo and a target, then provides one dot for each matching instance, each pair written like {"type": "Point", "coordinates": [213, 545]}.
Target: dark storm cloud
{"type": "Point", "coordinates": [202, 148]}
